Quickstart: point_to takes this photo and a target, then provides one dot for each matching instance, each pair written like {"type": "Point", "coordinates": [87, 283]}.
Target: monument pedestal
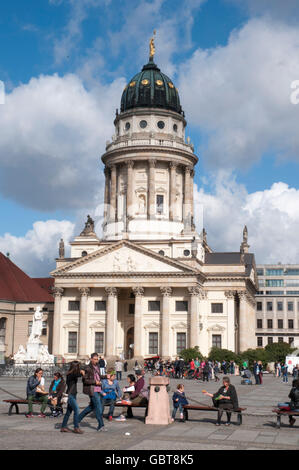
{"type": "Point", "coordinates": [32, 351]}
{"type": "Point", "coordinates": [158, 406]}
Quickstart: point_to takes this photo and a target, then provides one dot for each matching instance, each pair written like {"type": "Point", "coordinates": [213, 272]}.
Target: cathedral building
{"type": "Point", "coordinates": [151, 285]}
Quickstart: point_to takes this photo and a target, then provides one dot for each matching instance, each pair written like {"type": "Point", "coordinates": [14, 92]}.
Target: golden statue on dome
{"type": "Point", "coordinates": [152, 46]}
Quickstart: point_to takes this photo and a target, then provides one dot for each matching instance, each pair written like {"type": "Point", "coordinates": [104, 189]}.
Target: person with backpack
{"type": "Point", "coordinates": [74, 373]}
{"type": "Point", "coordinates": [179, 400]}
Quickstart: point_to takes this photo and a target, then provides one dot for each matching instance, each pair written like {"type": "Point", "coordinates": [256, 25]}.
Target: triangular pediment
{"type": "Point", "coordinates": [124, 257]}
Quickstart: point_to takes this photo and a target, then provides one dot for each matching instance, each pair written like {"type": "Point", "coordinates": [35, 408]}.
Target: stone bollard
{"type": "Point", "coordinates": [158, 406]}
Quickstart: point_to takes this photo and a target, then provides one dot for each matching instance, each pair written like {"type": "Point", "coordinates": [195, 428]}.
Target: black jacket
{"type": "Point", "coordinates": [294, 396]}
{"type": "Point", "coordinates": [231, 392]}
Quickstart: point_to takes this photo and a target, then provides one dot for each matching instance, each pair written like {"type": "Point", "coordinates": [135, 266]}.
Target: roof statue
{"type": "Point", "coordinates": [61, 248]}
{"type": "Point", "coordinates": [89, 227]}
{"type": "Point", "coordinates": [244, 245]}
{"type": "Point", "coordinates": [152, 46]}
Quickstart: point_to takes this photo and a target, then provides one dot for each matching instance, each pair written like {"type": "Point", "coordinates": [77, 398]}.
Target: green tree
{"type": "Point", "coordinates": [191, 353]}
{"type": "Point", "coordinates": [218, 354]}
{"type": "Point", "coordinates": [252, 355]}
{"type": "Point", "coordinates": [278, 351]}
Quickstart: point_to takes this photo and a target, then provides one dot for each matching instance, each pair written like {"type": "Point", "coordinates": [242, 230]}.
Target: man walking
{"type": "Point", "coordinates": [92, 388]}
{"type": "Point", "coordinates": [118, 369]}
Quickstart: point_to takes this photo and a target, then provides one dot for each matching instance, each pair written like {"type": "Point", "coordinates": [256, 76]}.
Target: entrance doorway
{"type": "Point", "coordinates": [130, 342]}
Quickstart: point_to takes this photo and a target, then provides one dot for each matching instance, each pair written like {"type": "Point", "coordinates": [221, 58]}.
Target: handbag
{"type": "Point", "coordinates": [64, 398]}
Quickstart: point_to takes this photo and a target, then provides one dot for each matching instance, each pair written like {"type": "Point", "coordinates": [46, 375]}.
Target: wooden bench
{"type": "Point", "coordinates": [211, 408]}
{"type": "Point", "coordinates": [15, 404]}
{"type": "Point", "coordinates": [279, 413]}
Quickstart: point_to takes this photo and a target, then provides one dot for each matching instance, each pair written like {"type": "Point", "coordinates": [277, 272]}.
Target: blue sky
{"type": "Point", "coordinates": [64, 65]}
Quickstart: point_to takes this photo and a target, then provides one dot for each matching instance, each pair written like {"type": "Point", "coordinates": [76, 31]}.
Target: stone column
{"type": "Point", "coordinates": [172, 191]}
{"type": "Point", "coordinates": [151, 209]}
{"type": "Point", "coordinates": [106, 196]}
{"type": "Point", "coordinates": [58, 293]}
{"type": "Point", "coordinates": [246, 322]}
{"type": "Point", "coordinates": [187, 198]}
{"type": "Point", "coordinates": [112, 212]}
{"type": "Point", "coordinates": [165, 324]}
{"type": "Point", "coordinates": [204, 334]}
{"type": "Point", "coordinates": [231, 319]}
{"type": "Point", "coordinates": [194, 316]}
{"type": "Point", "coordinates": [130, 165]}
{"type": "Point", "coordinates": [83, 322]}
{"type": "Point", "coordinates": [111, 319]}
{"type": "Point", "coordinates": [138, 336]}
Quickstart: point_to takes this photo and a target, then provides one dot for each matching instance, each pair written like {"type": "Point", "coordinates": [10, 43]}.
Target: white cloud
{"type": "Point", "coordinates": [35, 252]}
{"type": "Point", "coordinates": [272, 218]}
{"type": "Point", "coordinates": [238, 95]}
{"type": "Point", "coordinates": [53, 131]}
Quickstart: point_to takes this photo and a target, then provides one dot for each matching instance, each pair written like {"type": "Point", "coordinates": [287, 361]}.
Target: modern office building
{"type": "Point", "coordinates": [277, 304]}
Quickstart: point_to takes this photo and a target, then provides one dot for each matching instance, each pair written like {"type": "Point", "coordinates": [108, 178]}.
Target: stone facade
{"type": "Point", "coordinates": [151, 285]}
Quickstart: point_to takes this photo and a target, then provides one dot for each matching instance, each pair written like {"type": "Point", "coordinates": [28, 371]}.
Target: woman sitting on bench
{"type": "Point", "coordinates": [293, 405]}
{"type": "Point", "coordinates": [33, 394]}
{"type": "Point", "coordinates": [225, 399]}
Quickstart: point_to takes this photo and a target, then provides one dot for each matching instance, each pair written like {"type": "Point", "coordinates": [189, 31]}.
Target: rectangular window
{"type": "Point", "coordinates": [153, 343]}
{"type": "Point", "coordinates": [99, 342]}
{"type": "Point", "coordinates": [280, 306]}
{"type": "Point", "coordinates": [292, 283]}
{"type": "Point", "coordinates": [274, 272]}
{"type": "Point", "coordinates": [216, 341]}
{"type": "Point", "coordinates": [292, 272]}
{"type": "Point", "coordinates": [131, 309]}
{"type": "Point", "coordinates": [160, 203]}
{"type": "Point", "coordinates": [290, 306]}
{"type": "Point", "coordinates": [280, 339]}
{"type": "Point", "coordinates": [274, 283]}
{"type": "Point", "coordinates": [291, 324]}
{"type": "Point", "coordinates": [180, 342]}
{"type": "Point", "coordinates": [280, 324]}
{"type": "Point", "coordinates": [259, 306]}
{"type": "Point", "coordinates": [154, 305]}
{"type": "Point", "coordinates": [100, 305]}
{"type": "Point", "coordinates": [269, 306]}
{"type": "Point", "coordinates": [269, 324]}
{"type": "Point", "coordinates": [72, 343]}
{"type": "Point", "coordinates": [181, 306]}
{"type": "Point", "coordinates": [260, 271]}
{"type": "Point", "coordinates": [270, 340]}
{"type": "Point", "coordinates": [259, 341]}
{"type": "Point", "coordinates": [74, 305]}
{"type": "Point", "coordinates": [291, 340]}
{"type": "Point", "coordinates": [44, 328]}
{"type": "Point", "coordinates": [259, 323]}
{"type": "Point", "coordinates": [217, 308]}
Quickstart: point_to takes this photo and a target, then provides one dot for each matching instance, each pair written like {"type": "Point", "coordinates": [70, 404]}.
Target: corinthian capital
{"type": "Point", "coordinates": [230, 294]}
{"type": "Point", "coordinates": [111, 291]}
{"type": "Point", "coordinates": [138, 291]}
{"type": "Point", "coordinates": [166, 291]}
{"type": "Point", "coordinates": [194, 290]}
{"type": "Point", "coordinates": [84, 291]}
{"type": "Point", "coordinates": [58, 291]}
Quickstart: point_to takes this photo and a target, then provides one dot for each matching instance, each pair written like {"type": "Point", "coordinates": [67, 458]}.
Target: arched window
{"type": "Point", "coordinates": [84, 253]}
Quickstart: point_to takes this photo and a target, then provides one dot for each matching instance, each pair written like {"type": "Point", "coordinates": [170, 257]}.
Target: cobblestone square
{"type": "Point", "coordinates": [258, 430]}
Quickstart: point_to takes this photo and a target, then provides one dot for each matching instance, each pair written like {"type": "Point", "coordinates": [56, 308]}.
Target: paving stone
{"type": "Point", "coordinates": [243, 435]}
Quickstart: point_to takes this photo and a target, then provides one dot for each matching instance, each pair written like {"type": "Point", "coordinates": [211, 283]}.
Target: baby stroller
{"type": "Point", "coordinates": [246, 377]}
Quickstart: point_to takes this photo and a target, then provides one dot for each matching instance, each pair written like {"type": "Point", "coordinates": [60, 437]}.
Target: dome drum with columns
{"type": "Point", "coordinates": [151, 284]}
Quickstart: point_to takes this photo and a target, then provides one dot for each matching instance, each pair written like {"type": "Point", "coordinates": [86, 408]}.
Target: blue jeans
{"type": "Point", "coordinates": [175, 410]}
{"type": "Point", "coordinates": [111, 403]}
{"type": "Point", "coordinates": [95, 405]}
{"type": "Point", "coordinates": [72, 405]}
{"type": "Point", "coordinates": [285, 378]}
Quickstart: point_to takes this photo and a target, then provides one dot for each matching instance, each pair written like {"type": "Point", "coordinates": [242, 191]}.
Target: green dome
{"type": "Point", "coordinates": [150, 88]}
